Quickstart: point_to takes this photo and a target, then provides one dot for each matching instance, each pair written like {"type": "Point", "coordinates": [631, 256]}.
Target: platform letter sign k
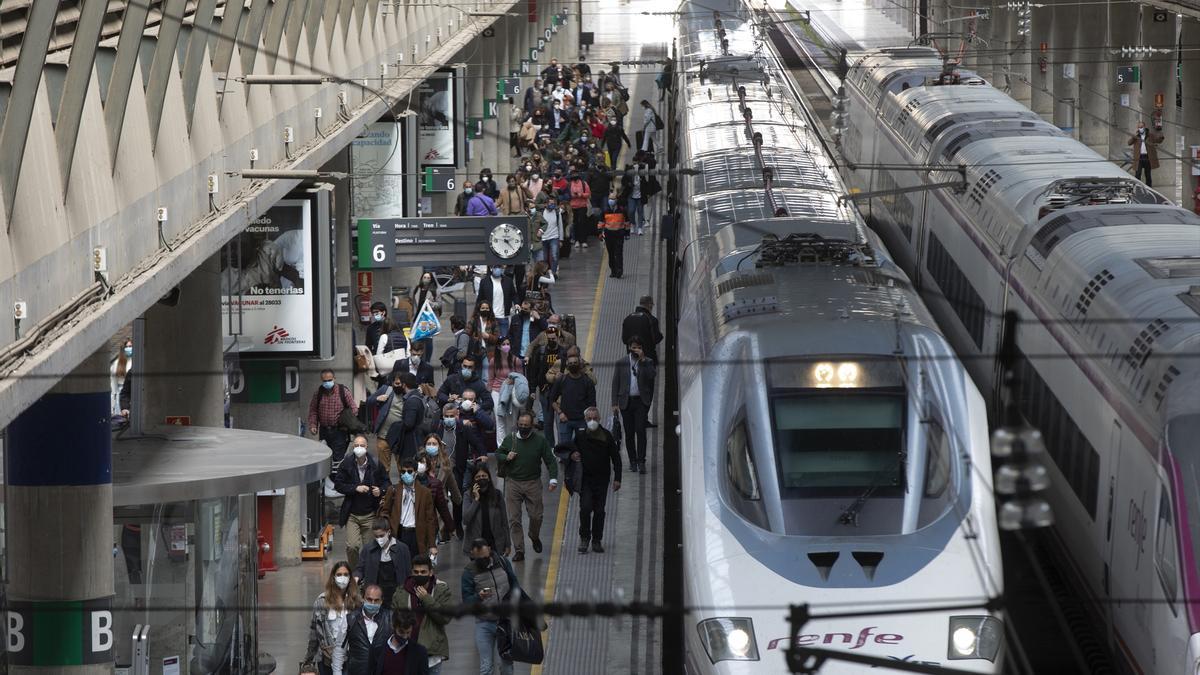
{"type": "Point", "coordinates": [102, 633]}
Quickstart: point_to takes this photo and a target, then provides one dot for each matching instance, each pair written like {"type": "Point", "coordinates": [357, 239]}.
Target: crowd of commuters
{"type": "Point", "coordinates": [512, 410]}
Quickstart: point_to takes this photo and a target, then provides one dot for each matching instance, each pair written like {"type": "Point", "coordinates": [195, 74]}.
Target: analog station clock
{"type": "Point", "coordinates": [506, 241]}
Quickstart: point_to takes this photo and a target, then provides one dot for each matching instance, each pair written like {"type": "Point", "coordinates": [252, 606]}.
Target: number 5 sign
{"type": "Point", "coordinates": [376, 245]}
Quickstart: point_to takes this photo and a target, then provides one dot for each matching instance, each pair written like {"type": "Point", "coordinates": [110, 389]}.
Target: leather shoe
{"type": "Point", "coordinates": [597, 547]}
{"type": "Point", "coordinates": [537, 545]}
{"type": "Point", "coordinates": [518, 556]}
{"type": "Point", "coordinates": [583, 545]}
{"type": "Point", "coordinates": [642, 467]}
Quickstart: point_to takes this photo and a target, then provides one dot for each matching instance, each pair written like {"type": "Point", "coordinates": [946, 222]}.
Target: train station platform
{"type": "Point", "coordinates": [630, 569]}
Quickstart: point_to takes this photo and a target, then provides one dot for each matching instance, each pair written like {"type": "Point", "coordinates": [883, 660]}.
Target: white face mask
{"type": "Point", "coordinates": [421, 467]}
{"type": "Point", "coordinates": [342, 581]}
{"type": "Point", "coordinates": [593, 425]}
{"type": "Point", "coordinates": [360, 450]}
{"type": "Point", "coordinates": [382, 541]}
{"type": "Point", "coordinates": [468, 405]}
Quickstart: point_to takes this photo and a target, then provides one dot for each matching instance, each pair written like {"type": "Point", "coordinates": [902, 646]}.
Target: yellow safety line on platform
{"type": "Point", "coordinates": [564, 499]}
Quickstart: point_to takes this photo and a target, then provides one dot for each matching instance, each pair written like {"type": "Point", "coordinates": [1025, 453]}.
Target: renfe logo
{"type": "Point", "coordinates": [845, 638]}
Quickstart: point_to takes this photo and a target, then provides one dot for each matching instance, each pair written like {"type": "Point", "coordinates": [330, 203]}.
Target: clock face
{"type": "Point", "coordinates": [506, 240]}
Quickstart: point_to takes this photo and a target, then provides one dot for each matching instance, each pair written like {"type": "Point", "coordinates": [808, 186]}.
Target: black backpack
{"type": "Point", "coordinates": [450, 357]}
{"type": "Point", "coordinates": [433, 413]}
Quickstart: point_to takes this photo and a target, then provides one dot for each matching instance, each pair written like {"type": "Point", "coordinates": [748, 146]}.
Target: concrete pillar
{"type": "Point", "coordinates": [1158, 78]}
{"type": "Point", "coordinates": [1041, 83]}
{"type": "Point", "coordinates": [494, 128]}
{"type": "Point", "coordinates": [1064, 67]}
{"type": "Point", "coordinates": [182, 360]}
{"type": "Point", "coordinates": [476, 93]}
{"type": "Point", "coordinates": [59, 543]}
{"type": "Point", "coordinates": [1191, 105]}
{"type": "Point", "coordinates": [1094, 70]}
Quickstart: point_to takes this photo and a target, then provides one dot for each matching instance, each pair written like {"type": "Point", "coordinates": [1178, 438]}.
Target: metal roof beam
{"type": "Point", "coordinates": [39, 25]}
{"type": "Point", "coordinates": [79, 77]}
{"type": "Point", "coordinates": [162, 64]}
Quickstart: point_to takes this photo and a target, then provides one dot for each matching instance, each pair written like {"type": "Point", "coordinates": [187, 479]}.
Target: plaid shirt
{"type": "Point", "coordinates": [325, 407]}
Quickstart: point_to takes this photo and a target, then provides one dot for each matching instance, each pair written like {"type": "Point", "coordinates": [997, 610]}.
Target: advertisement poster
{"type": "Point", "coordinates": [435, 124]}
{"type": "Point", "coordinates": [267, 276]}
{"type": "Point", "coordinates": [377, 163]}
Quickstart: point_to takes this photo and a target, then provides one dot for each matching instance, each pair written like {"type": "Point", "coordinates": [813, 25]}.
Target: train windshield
{"type": "Point", "coordinates": [837, 441]}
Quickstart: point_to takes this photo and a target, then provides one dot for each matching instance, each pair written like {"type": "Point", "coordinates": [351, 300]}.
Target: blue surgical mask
{"type": "Point", "coordinates": [408, 478]}
{"type": "Point", "coordinates": [377, 317]}
{"type": "Point", "coordinates": [497, 272]}
{"type": "Point", "coordinates": [469, 190]}
{"type": "Point", "coordinates": [128, 352]}
{"type": "Point", "coordinates": [449, 422]}
{"type": "Point", "coordinates": [466, 373]}
{"type": "Point", "coordinates": [431, 450]}
{"type": "Point", "coordinates": [328, 384]}
{"type": "Point", "coordinates": [372, 608]}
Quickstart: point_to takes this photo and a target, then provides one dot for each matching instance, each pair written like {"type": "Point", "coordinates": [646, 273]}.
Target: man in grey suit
{"type": "Point", "coordinates": [632, 392]}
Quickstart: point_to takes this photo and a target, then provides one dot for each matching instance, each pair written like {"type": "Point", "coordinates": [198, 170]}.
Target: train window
{"type": "Point", "coordinates": [1165, 548]}
{"type": "Point", "coordinates": [839, 441]}
{"type": "Point", "coordinates": [740, 464]}
{"type": "Point", "coordinates": [937, 469]}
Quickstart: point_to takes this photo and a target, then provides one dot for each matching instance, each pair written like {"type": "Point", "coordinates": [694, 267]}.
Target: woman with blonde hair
{"type": "Point", "coordinates": [331, 612]}
{"type": "Point", "coordinates": [439, 470]}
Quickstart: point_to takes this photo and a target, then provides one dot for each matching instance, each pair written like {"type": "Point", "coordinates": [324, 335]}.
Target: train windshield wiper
{"type": "Point", "coordinates": [849, 515]}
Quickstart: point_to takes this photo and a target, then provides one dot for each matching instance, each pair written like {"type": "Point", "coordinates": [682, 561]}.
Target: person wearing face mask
{"type": "Point", "coordinates": [524, 328]}
{"type": "Point", "coordinates": [614, 135]}
{"type": "Point", "coordinates": [498, 293]}
{"type": "Point", "coordinates": [510, 389]}
{"type": "Point", "coordinates": [616, 231]}
{"type": "Point", "coordinates": [571, 394]}
{"type": "Point", "coordinates": [362, 482]}
{"type": "Point", "coordinates": [426, 289]}
{"type": "Point", "coordinates": [580, 196]}
{"type": "Point", "coordinates": [543, 358]}
{"type": "Point", "coordinates": [409, 507]}
{"type": "Point", "coordinates": [402, 655]}
{"type": "Point", "coordinates": [367, 632]}
{"type": "Point", "coordinates": [488, 580]}
{"type": "Point", "coordinates": [377, 327]}
{"type": "Point", "coordinates": [467, 377]}
{"type": "Point", "coordinates": [435, 470]}
{"type": "Point", "coordinates": [489, 185]}
{"type": "Point", "coordinates": [415, 363]}
{"type": "Point", "coordinates": [388, 402]}
{"type": "Point", "coordinates": [428, 598]}
{"type": "Point", "coordinates": [533, 185]}
{"type": "Point", "coordinates": [513, 198]}
{"type": "Point", "coordinates": [464, 198]}
{"type": "Point", "coordinates": [485, 333]}
{"type": "Point", "coordinates": [449, 431]}
{"type": "Point", "coordinates": [480, 204]}
{"type": "Point", "coordinates": [384, 560]}
{"type": "Point", "coordinates": [632, 392]}
{"type": "Point", "coordinates": [520, 458]}
{"type": "Point", "coordinates": [597, 451]}
{"type": "Point", "coordinates": [484, 515]}
{"type": "Point", "coordinates": [121, 366]}
{"type": "Point", "coordinates": [324, 413]}
{"type": "Point", "coordinates": [330, 619]}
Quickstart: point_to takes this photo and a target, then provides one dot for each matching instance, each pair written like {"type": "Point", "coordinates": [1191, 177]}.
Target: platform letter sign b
{"type": "Point", "coordinates": [16, 635]}
{"type": "Point", "coordinates": [102, 632]}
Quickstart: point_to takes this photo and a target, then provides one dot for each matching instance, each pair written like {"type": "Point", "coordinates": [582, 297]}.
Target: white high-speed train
{"type": "Point", "coordinates": [1104, 275]}
{"type": "Point", "coordinates": [834, 450]}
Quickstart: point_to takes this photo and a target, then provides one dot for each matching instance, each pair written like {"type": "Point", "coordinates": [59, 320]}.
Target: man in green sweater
{"type": "Point", "coordinates": [518, 461]}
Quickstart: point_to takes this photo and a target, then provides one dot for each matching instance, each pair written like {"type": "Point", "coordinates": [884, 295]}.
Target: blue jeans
{"type": "Point", "coordinates": [485, 643]}
{"type": "Point", "coordinates": [550, 246]}
{"type": "Point", "coordinates": [566, 430]}
{"type": "Point", "coordinates": [637, 215]}
{"type": "Point", "coordinates": [503, 325]}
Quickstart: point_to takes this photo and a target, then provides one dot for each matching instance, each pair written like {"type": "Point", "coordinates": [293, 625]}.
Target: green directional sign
{"type": "Point", "coordinates": [376, 244]}
{"type": "Point", "coordinates": [474, 128]}
{"type": "Point", "coordinates": [439, 179]}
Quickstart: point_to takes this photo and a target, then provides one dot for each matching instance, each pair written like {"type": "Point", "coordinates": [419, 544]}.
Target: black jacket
{"type": "Point", "coordinates": [455, 384]}
{"type": "Point", "coordinates": [402, 437]}
{"type": "Point", "coordinates": [424, 373]}
{"type": "Point", "coordinates": [489, 188]}
{"type": "Point", "coordinates": [362, 654]}
{"type": "Point", "coordinates": [487, 292]}
{"type": "Point", "coordinates": [574, 394]}
{"type": "Point", "coordinates": [645, 378]}
{"type": "Point", "coordinates": [471, 441]}
{"type": "Point", "coordinates": [368, 564]}
{"type": "Point", "coordinates": [346, 482]}
{"type": "Point", "coordinates": [515, 329]}
{"type": "Point", "coordinates": [644, 325]}
{"type": "Point", "coordinates": [417, 662]}
{"type": "Point", "coordinates": [539, 364]}
{"type": "Point", "coordinates": [597, 454]}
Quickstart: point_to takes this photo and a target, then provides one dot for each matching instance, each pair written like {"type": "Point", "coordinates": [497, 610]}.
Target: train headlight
{"type": "Point", "coordinates": [974, 637]}
{"type": "Point", "coordinates": [729, 639]}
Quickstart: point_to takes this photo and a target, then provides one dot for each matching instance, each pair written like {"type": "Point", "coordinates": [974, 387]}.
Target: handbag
{"type": "Point", "coordinates": [523, 645]}
{"type": "Point", "coordinates": [347, 420]}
